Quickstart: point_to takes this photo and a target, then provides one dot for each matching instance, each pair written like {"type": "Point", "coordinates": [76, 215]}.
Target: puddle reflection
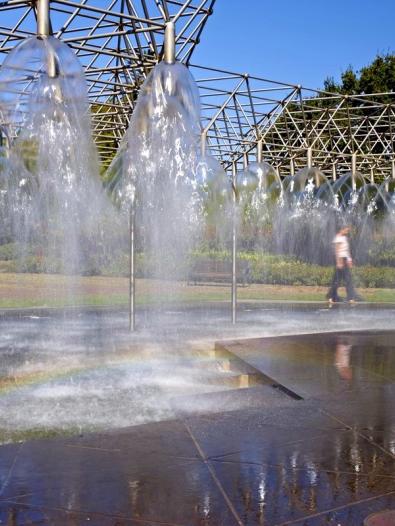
{"type": "Point", "coordinates": [343, 357]}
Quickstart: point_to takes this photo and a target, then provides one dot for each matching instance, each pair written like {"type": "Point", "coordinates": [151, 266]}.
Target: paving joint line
{"type": "Point", "coordinates": [214, 476]}
{"type": "Point", "coordinates": [7, 479]}
{"type": "Point", "coordinates": [372, 442]}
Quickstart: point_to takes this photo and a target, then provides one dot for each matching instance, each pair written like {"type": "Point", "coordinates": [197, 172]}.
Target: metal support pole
{"type": "Point", "coordinates": [334, 171]}
{"type": "Point", "coordinates": [309, 157]}
{"type": "Point", "coordinates": [170, 43]}
{"type": "Point", "coordinates": [292, 166]}
{"type": "Point", "coordinates": [203, 143]}
{"type": "Point", "coordinates": [5, 143]}
{"type": "Point", "coordinates": [354, 170]}
{"type": "Point", "coordinates": [259, 153]}
{"type": "Point", "coordinates": [43, 18]}
{"type": "Point", "coordinates": [132, 280]}
{"type": "Point", "coordinates": [234, 245]}
{"type": "Point", "coordinates": [245, 160]}
{"type": "Point", "coordinates": [372, 175]}
{"type": "Point", "coordinates": [43, 31]}
{"type": "Point", "coordinates": [52, 67]}
{"type": "Point", "coordinates": [393, 169]}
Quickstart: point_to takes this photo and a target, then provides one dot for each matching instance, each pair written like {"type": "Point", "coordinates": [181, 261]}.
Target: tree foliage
{"type": "Point", "coordinates": [377, 77]}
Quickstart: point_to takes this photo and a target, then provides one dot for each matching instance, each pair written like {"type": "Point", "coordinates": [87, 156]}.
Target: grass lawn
{"type": "Point", "coordinates": [42, 290]}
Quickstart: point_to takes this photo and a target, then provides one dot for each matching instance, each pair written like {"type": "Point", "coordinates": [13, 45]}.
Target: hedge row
{"type": "Point", "coordinates": [283, 270]}
{"type": "Point", "coordinates": [298, 273]}
{"type": "Point", "coordinates": [264, 268]}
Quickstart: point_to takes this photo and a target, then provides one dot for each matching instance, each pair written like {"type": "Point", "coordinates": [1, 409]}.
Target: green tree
{"type": "Point", "coordinates": [377, 77]}
{"type": "Point", "coordinates": [350, 82]}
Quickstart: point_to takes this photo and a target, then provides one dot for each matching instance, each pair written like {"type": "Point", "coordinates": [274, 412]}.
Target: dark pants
{"type": "Point", "coordinates": [342, 274]}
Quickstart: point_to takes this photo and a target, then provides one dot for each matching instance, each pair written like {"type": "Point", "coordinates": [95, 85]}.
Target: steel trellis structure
{"type": "Point", "coordinates": [240, 110]}
{"type": "Point", "coordinates": [119, 41]}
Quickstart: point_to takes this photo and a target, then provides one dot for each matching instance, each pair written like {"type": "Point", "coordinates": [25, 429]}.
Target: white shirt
{"type": "Point", "coordinates": [342, 247]}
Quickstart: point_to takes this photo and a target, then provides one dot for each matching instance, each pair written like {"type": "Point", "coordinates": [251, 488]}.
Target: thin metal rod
{"type": "Point", "coordinates": [43, 31]}
{"type": "Point", "coordinates": [234, 246]}
{"type": "Point", "coordinates": [224, 105]}
{"type": "Point", "coordinates": [5, 142]}
{"type": "Point", "coordinates": [259, 151]}
{"type": "Point", "coordinates": [53, 67]}
{"type": "Point", "coordinates": [309, 157]}
{"type": "Point", "coordinates": [334, 171]}
{"type": "Point", "coordinates": [170, 43]}
{"type": "Point", "coordinates": [132, 278]}
{"type": "Point", "coordinates": [292, 166]}
{"type": "Point", "coordinates": [43, 25]}
{"type": "Point", "coordinates": [183, 8]}
{"type": "Point", "coordinates": [93, 9]}
{"type": "Point", "coordinates": [245, 160]}
{"type": "Point", "coordinates": [354, 170]}
{"type": "Point", "coordinates": [203, 143]}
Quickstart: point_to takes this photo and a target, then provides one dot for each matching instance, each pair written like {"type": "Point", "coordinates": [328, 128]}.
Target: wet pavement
{"type": "Point", "coordinates": [255, 457]}
{"type": "Point", "coordinates": [383, 518]}
{"type": "Point", "coordinates": [79, 370]}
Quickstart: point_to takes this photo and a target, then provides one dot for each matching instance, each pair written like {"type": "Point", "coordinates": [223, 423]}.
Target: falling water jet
{"type": "Point", "coordinates": [244, 185]}
{"type": "Point", "coordinates": [210, 177]}
{"type": "Point", "coordinates": [159, 169]}
{"type": "Point", "coordinates": [269, 181]}
{"type": "Point", "coordinates": [53, 184]}
{"type": "Point", "coordinates": [305, 178]}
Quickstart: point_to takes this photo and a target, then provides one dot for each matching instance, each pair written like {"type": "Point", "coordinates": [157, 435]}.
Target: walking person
{"type": "Point", "coordinates": [342, 268]}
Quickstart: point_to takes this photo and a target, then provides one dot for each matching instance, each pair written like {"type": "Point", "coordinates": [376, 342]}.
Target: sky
{"type": "Point", "coordinates": [296, 41]}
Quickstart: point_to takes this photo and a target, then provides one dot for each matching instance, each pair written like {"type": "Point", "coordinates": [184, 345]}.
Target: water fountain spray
{"type": "Point", "coordinates": [169, 58]}
{"type": "Point", "coordinates": [157, 184]}
{"type": "Point", "coordinates": [54, 196]}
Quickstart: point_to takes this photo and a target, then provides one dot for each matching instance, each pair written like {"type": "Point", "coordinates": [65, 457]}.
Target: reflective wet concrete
{"type": "Point", "coordinates": [328, 458]}
{"type": "Point", "coordinates": [77, 371]}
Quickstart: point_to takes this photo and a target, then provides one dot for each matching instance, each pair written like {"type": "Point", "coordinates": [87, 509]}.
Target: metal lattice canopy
{"type": "Point", "coordinates": [240, 111]}
{"type": "Point", "coordinates": [119, 41]}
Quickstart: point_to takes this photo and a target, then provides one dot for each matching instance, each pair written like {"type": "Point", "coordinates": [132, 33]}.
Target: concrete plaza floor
{"type": "Point", "coordinates": [310, 441]}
